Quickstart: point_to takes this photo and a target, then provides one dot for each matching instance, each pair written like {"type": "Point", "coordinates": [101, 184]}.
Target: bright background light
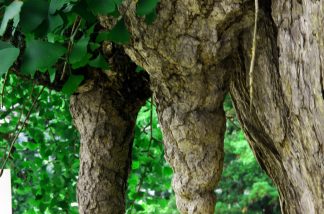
{"type": "Point", "coordinates": [5, 193]}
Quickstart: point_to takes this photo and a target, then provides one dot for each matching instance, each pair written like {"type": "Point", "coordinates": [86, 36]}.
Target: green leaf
{"type": "Point", "coordinates": [56, 5]}
{"type": "Point", "coordinates": [139, 69]}
{"type": "Point", "coordinates": [101, 7]}
{"type": "Point", "coordinates": [83, 62]}
{"type": "Point", "coordinates": [118, 34]}
{"type": "Point", "coordinates": [79, 50]}
{"type": "Point", "coordinates": [72, 84]}
{"type": "Point", "coordinates": [82, 9]}
{"type": "Point", "coordinates": [149, 18]}
{"type": "Point", "coordinates": [33, 13]}
{"type": "Point", "coordinates": [8, 55]}
{"type": "Point", "coordinates": [40, 55]}
{"type": "Point", "coordinates": [55, 22]}
{"type": "Point", "coordinates": [94, 46]}
{"type": "Point", "coordinates": [135, 165]}
{"type": "Point", "coordinates": [118, 2]}
{"type": "Point", "coordinates": [99, 62]}
{"type": "Point", "coordinates": [52, 73]}
{"type": "Point", "coordinates": [12, 12]}
{"type": "Point", "coordinates": [145, 7]}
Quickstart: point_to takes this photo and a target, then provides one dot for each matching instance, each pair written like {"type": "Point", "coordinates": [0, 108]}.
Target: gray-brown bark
{"type": "Point", "coordinates": [285, 124]}
{"type": "Point", "coordinates": [186, 50]}
{"type": "Point", "coordinates": [104, 111]}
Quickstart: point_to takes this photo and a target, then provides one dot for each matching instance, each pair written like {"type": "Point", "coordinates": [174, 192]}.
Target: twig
{"type": "Point", "coordinates": [75, 27]}
{"type": "Point", "coordinates": [3, 88]}
{"type": "Point", "coordinates": [253, 52]}
{"type": "Point", "coordinates": [151, 124]}
{"type": "Point", "coordinates": [20, 130]}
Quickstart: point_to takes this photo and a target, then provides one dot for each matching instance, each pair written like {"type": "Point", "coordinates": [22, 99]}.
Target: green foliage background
{"type": "Point", "coordinates": [45, 160]}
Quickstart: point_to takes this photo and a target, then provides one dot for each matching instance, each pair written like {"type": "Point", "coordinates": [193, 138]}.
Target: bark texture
{"type": "Point", "coordinates": [186, 54]}
{"type": "Point", "coordinates": [285, 124]}
{"type": "Point", "coordinates": [104, 111]}
{"type": "Point", "coordinates": [192, 50]}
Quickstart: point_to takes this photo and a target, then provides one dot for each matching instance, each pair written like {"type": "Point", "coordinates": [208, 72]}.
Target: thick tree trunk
{"type": "Point", "coordinates": [185, 51]}
{"type": "Point", "coordinates": [105, 112]}
{"type": "Point", "coordinates": [193, 124]}
{"type": "Point", "coordinates": [192, 48]}
{"type": "Point", "coordinates": [285, 124]}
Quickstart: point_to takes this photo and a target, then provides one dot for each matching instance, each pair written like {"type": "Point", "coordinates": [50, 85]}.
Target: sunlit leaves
{"type": "Point", "coordinates": [40, 55]}
{"type": "Point", "coordinates": [72, 84]}
{"type": "Point", "coordinates": [8, 55]}
{"type": "Point", "coordinates": [145, 7]}
{"type": "Point", "coordinates": [33, 13]}
{"type": "Point", "coordinates": [12, 12]}
{"type": "Point", "coordinates": [118, 34]}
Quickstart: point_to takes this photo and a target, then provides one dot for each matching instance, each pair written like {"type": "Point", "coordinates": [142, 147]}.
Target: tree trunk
{"type": "Point", "coordinates": [191, 49]}
{"type": "Point", "coordinates": [104, 111]}
{"type": "Point", "coordinates": [185, 52]}
{"type": "Point", "coordinates": [285, 122]}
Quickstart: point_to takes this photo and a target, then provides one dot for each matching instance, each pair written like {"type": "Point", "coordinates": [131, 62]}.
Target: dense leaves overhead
{"type": "Point", "coordinates": [63, 32]}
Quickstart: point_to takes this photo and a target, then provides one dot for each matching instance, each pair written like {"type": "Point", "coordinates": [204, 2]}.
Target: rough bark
{"type": "Point", "coordinates": [104, 111]}
{"type": "Point", "coordinates": [185, 52]}
{"type": "Point", "coordinates": [285, 124]}
{"type": "Point", "coordinates": [190, 51]}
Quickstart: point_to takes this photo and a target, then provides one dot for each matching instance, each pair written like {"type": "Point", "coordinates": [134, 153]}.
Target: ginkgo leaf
{"type": "Point", "coordinates": [99, 62]}
{"type": "Point", "coordinates": [33, 13]}
{"type": "Point", "coordinates": [145, 7]}
{"type": "Point", "coordinates": [72, 84]}
{"type": "Point", "coordinates": [79, 50]}
{"type": "Point", "coordinates": [40, 55]}
{"type": "Point", "coordinates": [118, 34]}
{"type": "Point", "coordinates": [8, 55]}
{"type": "Point", "coordinates": [101, 7]}
{"type": "Point", "coordinates": [12, 12]}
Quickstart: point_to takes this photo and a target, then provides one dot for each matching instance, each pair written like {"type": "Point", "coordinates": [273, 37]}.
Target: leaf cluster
{"type": "Point", "coordinates": [59, 37]}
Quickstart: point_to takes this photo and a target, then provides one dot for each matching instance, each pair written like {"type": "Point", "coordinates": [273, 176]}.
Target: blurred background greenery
{"type": "Point", "coordinates": [45, 160]}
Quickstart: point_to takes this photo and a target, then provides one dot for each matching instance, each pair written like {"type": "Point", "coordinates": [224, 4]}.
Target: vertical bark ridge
{"type": "Point", "coordinates": [104, 111]}
{"type": "Point", "coordinates": [284, 125]}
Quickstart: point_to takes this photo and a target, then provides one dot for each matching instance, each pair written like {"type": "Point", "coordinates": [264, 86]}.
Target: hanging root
{"type": "Point", "coordinates": [253, 52]}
